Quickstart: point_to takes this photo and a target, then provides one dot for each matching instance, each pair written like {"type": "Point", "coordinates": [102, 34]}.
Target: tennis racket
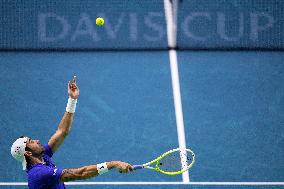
{"type": "Point", "coordinates": [173, 162]}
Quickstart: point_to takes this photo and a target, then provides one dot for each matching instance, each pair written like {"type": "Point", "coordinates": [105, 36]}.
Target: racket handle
{"type": "Point", "coordinates": [135, 167]}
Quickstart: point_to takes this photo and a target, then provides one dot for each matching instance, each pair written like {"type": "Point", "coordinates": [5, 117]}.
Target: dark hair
{"type": "Point", "coordinates": [26, 157]}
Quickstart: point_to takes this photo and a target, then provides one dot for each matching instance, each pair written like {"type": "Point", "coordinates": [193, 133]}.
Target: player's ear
{"type": "Point", "coordinates": [28, 153]}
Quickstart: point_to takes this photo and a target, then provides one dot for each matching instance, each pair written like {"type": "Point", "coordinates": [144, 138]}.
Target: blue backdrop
{"type": "Point", "coordinates": [139, 24]}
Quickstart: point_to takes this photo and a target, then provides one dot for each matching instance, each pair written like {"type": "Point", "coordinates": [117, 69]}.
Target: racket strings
{"type": "Point", "coordinates": [175, 161]}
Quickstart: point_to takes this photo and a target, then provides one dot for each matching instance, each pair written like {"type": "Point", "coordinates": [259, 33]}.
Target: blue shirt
{"type": "Point", "coordinates": [46, 175]}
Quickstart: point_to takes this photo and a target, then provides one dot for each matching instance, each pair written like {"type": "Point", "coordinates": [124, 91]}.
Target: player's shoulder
{"type": "Point", "coordinates": [47, 150]}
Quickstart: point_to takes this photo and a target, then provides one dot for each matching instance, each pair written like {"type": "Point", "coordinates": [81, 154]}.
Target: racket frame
{"type": "Point", "coordinates": [158, 159]}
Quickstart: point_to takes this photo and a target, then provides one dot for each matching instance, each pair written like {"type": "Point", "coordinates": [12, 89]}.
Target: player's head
{"type": "Point", "coordinates": [25, 148]}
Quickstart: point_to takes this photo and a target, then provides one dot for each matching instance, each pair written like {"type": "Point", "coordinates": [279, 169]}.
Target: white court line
{"type": "Point", "coordinates": [178, 107]}
{"type": "Point", "coordinates": [159, 183]}
{"type": "Point", "coordinates": [171, 34]}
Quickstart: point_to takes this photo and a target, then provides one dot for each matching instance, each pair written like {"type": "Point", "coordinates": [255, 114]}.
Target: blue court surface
{"type": "Point", "coordinates": [232, 105]}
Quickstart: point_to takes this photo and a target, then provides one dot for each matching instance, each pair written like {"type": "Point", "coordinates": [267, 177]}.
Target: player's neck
{"type": "Point", "coordinates": [36, 160]}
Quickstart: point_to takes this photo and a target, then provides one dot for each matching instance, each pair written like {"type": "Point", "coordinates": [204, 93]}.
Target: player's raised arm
{"type": "Point", "coordinates": [66, 122]}
{"type": "Point", "coordinates": [93, 170]}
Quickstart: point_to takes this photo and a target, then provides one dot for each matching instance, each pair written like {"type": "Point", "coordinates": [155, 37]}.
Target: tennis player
{"type": "Point", "coordinates": [36, 158]}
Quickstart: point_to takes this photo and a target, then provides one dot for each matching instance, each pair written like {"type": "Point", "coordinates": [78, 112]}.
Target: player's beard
{"type": "Point", "coordinates": [39, 152]}
{"type": "Point", "coordinates": [42, 150]}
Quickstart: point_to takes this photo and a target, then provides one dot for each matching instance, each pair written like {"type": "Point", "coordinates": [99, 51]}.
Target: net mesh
{"type": "Point", "coordinates": [176, 161]}
{"type": "Point", "coordinates": [140, 25]}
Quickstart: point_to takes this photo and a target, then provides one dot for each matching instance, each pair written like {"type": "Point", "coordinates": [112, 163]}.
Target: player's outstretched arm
{"type": "Point", "coordinates": [66, 122]}
{"type": "Point", "coordinates": [92, 171]}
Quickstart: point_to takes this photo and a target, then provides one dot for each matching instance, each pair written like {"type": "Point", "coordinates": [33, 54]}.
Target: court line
{"type": "Point", "coordinates": [171, 35]}
{"type": "Point", "coordinates": [159, 183]}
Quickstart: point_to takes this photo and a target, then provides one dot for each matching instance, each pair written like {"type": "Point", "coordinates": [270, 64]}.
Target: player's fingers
{"type": "Point", "coordinates": [73, 86]}
{"type": "Point", "coordinates": [74, 79]}
{"type": "Point", "coordinates": [124, 170]}
{"type": "Point", "coordinates": [69, 86]}
{"type": "Point", "coordinates": [128, 167]}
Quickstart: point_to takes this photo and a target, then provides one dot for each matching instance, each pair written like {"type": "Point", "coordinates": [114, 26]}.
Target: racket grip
{"type": "Point", "coordinates": [135, 167]}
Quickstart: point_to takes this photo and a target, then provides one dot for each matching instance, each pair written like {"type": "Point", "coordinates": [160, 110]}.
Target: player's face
{"type": "Point", "coordinates": [35, 146]}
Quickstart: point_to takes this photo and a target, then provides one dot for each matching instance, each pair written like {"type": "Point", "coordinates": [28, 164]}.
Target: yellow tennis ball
{"type": "Point", "coordinates": [100, 21]}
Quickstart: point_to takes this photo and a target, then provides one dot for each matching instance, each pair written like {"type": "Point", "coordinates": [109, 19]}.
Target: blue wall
{"type": "Point", "coordinates": [140, 24]}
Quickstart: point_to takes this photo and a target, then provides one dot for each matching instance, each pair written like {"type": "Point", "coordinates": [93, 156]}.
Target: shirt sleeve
{"type": "Point", "coordinates": [47, 150]}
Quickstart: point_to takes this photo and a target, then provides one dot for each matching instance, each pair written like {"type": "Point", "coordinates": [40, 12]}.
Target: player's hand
{"type": "Point", "coordinates": [73, 90]}
{"type": "Point", "coordinates": [123, 167]}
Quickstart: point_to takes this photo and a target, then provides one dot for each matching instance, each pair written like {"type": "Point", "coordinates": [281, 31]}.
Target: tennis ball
{"type": "Point", "coordinates": [100, 21]}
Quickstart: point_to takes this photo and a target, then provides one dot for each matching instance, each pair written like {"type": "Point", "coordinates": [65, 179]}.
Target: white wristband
{"type": "Point", "coordinates": [102, 168]}
{"type": "Point", "coordinates": [71, 105]}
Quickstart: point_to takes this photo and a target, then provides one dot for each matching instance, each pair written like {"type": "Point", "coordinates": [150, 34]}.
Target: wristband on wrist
{"type": "Point", "coordinates": [102, 168]}
{"type": "Point", "coordinates": [71, 105]}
